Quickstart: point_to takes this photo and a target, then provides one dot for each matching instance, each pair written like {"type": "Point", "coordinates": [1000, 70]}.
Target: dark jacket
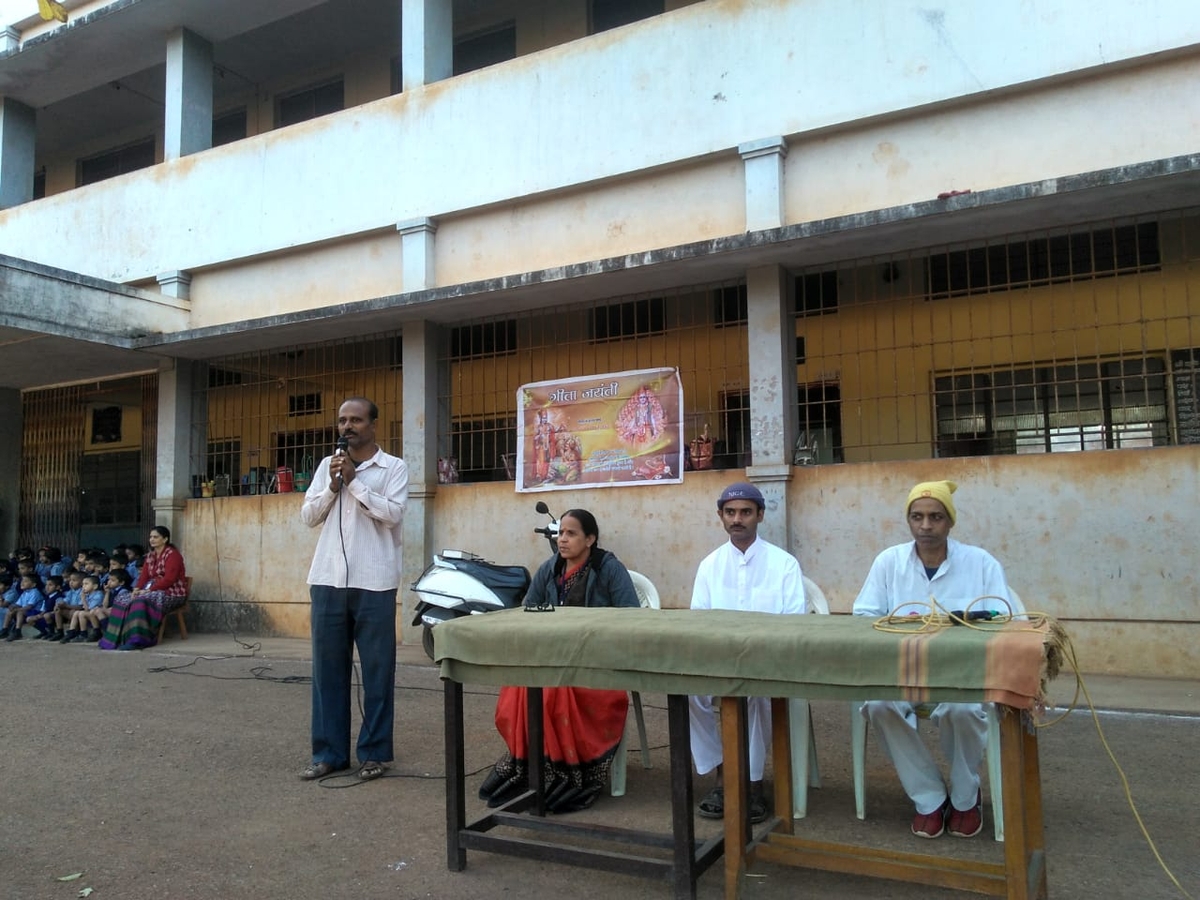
{"type": "Point", "coordinates": [608, 582]}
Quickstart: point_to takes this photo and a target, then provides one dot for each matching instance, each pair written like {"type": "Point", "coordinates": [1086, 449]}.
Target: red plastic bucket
{"type": "Point", "coordinates": [283, 476]}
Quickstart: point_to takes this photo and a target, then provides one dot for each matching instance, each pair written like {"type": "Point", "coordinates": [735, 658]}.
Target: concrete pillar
{"type": "Point", "coordinates": [426, 42]}
{"type": "Point", "coordinates": [772, 392]}
{"type": "Point", "coordinates": [10, 460]}
{"type": "Point", "coordinates": [10, 39]}
{"type": "Point", "coordinates": [416, 249]}
{"type": "Point", "coordinates": [189, 95]}
{"type": "Point", "coordinates": [172, 483]}
{"type": "Point", "coordinates": [18, 133]}
{"type": "Point", "coordinates": [422, 423]}
{"type": "Point", "coordinates": [176, 284]}
{"type": "Point", "coordinates": [764, 182]}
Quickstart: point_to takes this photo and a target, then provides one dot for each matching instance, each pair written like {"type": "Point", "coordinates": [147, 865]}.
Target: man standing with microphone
{"type": "Point", "coordinates": [357, 496]}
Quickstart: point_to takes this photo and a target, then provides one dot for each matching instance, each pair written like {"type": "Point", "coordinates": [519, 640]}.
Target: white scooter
{"type": "Point", "coordinates": [461, 583]}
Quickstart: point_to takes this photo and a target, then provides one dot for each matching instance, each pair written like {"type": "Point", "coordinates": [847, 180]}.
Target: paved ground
{"type": "Point", "coordinates": [171, 774]}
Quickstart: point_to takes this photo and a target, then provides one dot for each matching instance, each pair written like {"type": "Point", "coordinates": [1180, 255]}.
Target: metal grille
{"type": "Point", "coordinates": [88, 464]}
{"type": "Point", "coordinates": [51, 452]}
{"type": "Point", "coordinates": [1078, 339]}
{"type": "Point", "coordinates": [149, 457]}
{"type": "Point", "coordinates": [699, 330]}
{"type": "Point", "coordinates": [276, 410]}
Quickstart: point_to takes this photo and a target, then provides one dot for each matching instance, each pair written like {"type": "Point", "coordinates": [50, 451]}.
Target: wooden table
{"type": "Point", "coordinates": [1022, 875]}
{"type": "Point", "coordinates": [735, 655]}
{"type": "Point", "coordinates": [624, 850]}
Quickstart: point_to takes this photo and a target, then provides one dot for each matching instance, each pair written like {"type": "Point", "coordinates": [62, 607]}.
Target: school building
{"type": "Point", "coordinates": [881, 243]}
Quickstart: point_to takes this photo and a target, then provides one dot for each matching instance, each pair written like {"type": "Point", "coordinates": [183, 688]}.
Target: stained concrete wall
{"type": "Point", "coordinates": [1121, 576]}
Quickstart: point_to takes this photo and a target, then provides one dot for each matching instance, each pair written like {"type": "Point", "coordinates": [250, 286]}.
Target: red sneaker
{"type": "Point", "coordinates": [966, 823]}
{"type": "Point", "coordinates": [931, 825]}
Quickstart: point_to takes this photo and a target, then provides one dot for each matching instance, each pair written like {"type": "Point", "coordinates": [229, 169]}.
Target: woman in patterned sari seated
{"type": "Point", "coordinates": [581, 726]}
{"type": "Point", "coordinates": [161, 588]}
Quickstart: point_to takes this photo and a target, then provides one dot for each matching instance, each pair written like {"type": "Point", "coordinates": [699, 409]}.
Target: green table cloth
{"type": "Point", "coordinates": [747, 654]}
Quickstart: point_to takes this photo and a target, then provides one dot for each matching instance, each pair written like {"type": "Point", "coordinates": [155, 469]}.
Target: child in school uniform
{"type": "Point", "coordinates": [9, 591]}
{"type": "Point", "coordinates": [43, 618]}
{"type": "Point", "coordinates": [117, 562]}
{"type": "Point", "coordinates": [91, 599]}
{"type": "Point", "coordinates": [116, 589]}
{"type": "Point", "coordinates": [71, 602]}
{"type": "Point", "coordinates": [30, 598]}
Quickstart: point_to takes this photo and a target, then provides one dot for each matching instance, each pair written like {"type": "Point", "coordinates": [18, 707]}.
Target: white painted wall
{"type": "Point", "coordinates": [679, 87]}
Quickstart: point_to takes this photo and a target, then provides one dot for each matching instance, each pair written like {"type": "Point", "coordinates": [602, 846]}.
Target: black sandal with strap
{"type": "Point", "coordinates": [713, 804]}
{"type": "Point", "coordinates": [371, 770]}
{"type": "Point", "coordinates": [758, 809]}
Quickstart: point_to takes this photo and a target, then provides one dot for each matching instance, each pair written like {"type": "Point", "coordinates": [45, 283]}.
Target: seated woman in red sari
{"type": "Point", "coordinates": [161, 588]}
{"type": "Point", "coordinates": [582, 727]}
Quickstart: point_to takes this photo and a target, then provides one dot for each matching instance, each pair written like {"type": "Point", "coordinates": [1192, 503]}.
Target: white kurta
{"type": "Point", "coordinates": [763, 579]}
{"type": "Point", "coordinates": [898, 583]}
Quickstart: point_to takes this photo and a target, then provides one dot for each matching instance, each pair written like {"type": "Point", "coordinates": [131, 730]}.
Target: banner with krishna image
{"type": "Point", "coordinates": [600, 431]}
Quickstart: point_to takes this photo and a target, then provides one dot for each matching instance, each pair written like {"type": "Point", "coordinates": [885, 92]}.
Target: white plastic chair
{"type": "Point", "coordinates": [648, 597]}
{"type": "Point", "coordinates": [805, 771]}
{"type": "Point", "coordinates": [858, 750]}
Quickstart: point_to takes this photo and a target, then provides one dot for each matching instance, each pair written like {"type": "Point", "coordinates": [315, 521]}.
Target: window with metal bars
{"type": "Point", "coordinates": [117, 161]}
{"type": "Point", "coordinates": [276, 407]}
{"type": "Point", "coordinates": [730, 306]}
{"type": "Point", "coordinates": [297, 450]}
{"type": "Point", "coordinates": [1052, 409]}
{"type": "Point", "coordinates": [304, 404]}
{"type": "Point", "coordinates": [224, 459]}
{"type": "Point", "coordinates": [480, 445]}
{"type": "Point", "coordinates": [627, 320]}
{"type": "Point", "coordinates": [819, 425]}
{"type": "Point", "coordinates": [1051, 259]}
{"type": "Point", "coordinates": [1093, 337]}
{"type": "Point", "coordinates": [483, 340]}
{"type": "Point", "coordinates": [817, 293]}
{"type": "Point", "coordinates": [733, 451]}
{"type": "Point", "coordinates": [218, 377]}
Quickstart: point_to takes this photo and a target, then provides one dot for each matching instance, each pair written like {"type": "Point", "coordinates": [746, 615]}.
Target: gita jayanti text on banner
{"type": "Point", "coordinates": [600, 431]}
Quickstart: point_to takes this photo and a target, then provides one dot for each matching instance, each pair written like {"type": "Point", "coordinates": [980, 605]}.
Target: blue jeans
{"type": "Point", "coordinates": [343, 618]}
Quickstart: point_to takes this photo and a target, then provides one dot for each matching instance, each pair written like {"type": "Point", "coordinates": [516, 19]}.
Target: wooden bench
{"type": "Point", "coordinates": [178, 613]}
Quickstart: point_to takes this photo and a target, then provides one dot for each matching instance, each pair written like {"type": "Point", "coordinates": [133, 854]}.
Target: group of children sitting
{"type": "Point", "coordinates": [64, 602]}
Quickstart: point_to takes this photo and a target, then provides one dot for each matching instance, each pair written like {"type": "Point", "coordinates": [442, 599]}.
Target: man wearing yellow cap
{"type": "Point", "coordinates": [903, 579]}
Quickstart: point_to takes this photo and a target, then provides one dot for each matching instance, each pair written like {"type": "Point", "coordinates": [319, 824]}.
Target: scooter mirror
{"type": "Point", "coordinates": [542, 508]}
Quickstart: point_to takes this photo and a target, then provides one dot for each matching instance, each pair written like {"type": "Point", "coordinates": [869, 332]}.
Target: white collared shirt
{"type": "Point", "coordinates": [362, 547]}
{"type": "Point", "coordinates": [897, 582]}
{"type": "Point", "coordinates": [763, 579]}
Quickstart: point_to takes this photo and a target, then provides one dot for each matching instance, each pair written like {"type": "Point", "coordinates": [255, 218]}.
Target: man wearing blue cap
{"type": "Point", "coordinates": [745, 573]}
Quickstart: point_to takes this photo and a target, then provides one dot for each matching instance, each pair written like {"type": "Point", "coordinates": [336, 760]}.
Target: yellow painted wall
{"type": "Point", "coordinates": [884, 343]}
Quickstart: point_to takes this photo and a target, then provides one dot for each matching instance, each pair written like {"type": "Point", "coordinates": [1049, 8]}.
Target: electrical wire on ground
{"type": "Point", "coordinates": [938, 618]}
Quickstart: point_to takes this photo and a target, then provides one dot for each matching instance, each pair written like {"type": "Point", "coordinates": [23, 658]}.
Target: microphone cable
{"type": "Point", "coordinates": [341, 447]}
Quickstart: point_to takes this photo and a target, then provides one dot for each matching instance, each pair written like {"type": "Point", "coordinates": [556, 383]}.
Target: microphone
{"type": "Point", "coordinates": [340, 450]}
